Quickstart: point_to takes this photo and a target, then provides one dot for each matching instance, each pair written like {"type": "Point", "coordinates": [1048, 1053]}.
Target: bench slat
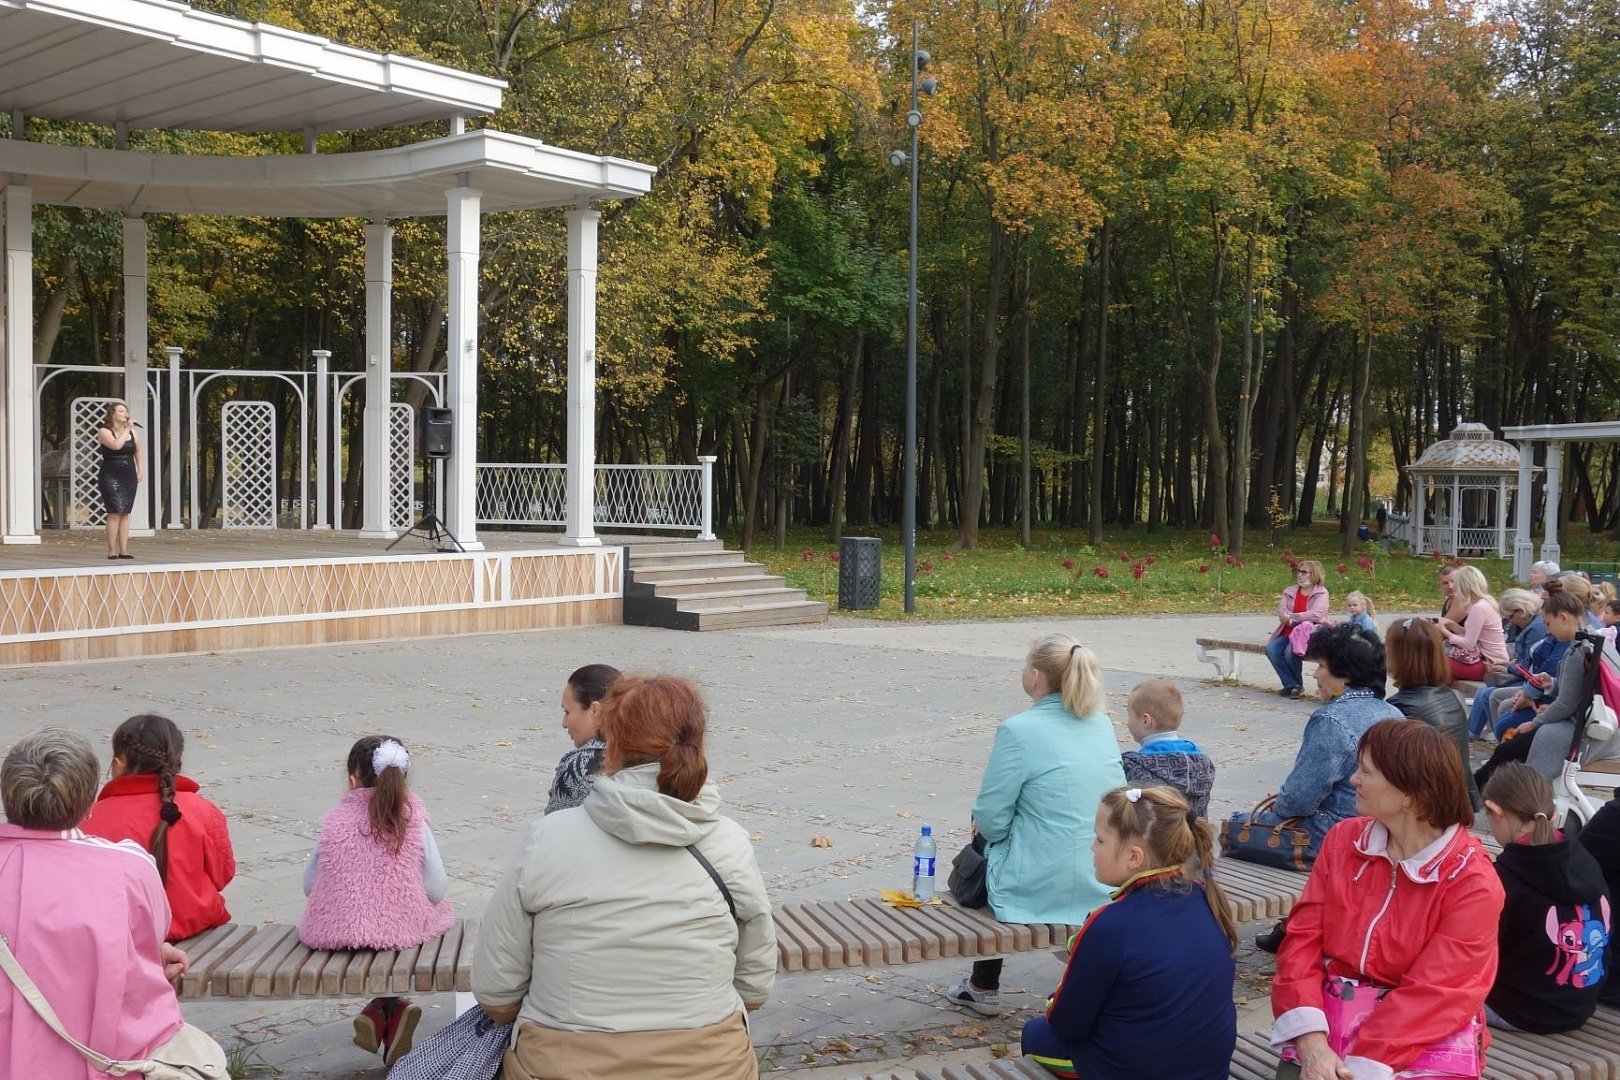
{"type": "Point", "coordinates": [422, 970]}
{"type": "Point", "coordinates": [464, 958]}
{"type": "Point", "coordinates": [861, 944]}
{"type": "Point", "coordinates": [444, 966]}
{"type": "Point", "coordinates": [236, 978]}
{"type": "Point", "coordinates": [200, 969]}
{"type": "Point", "coordinates": [264, 979]}
{"type": "Point", "coordinates": [403, 975]}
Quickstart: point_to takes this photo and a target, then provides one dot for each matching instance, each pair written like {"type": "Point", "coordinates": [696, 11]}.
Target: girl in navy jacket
{"type": "Point", "coordinates": [1148, 987]}
{"type": "Point", "coordinates": [1553, 944]}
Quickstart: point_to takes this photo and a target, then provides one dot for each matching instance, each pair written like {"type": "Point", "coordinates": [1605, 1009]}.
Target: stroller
{"type": "Point", "coordinates": [1591, 761]}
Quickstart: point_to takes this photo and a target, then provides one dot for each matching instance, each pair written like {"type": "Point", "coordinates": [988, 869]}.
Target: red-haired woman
{"type": "Point", "coordinates": [1350, 1002]}
{"type": "Point", "coordinates": [632, 931]}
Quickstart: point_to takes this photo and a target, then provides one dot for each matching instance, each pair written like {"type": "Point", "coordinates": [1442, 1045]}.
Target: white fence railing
{"type": "Point", "coordinates": [678, 498]}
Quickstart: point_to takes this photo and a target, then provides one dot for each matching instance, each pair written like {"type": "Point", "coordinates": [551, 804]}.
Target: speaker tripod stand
{"type": "Point", "coordinates": [431, 529]}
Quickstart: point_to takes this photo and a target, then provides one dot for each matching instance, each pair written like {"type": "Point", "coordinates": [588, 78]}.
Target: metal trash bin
{"type": "Point", "coordinates": [860, 572]}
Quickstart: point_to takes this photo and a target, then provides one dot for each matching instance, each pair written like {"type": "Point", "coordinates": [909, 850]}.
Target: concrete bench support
{"type": "Point", "coordinates": [1223, 655]}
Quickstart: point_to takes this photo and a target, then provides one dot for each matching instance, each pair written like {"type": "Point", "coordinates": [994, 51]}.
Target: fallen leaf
{"type": "Point", "coordinates": [821, 841]}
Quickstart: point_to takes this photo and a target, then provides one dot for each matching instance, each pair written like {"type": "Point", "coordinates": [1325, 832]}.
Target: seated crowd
{"type": "Point", "coordinates": [1378, 809]}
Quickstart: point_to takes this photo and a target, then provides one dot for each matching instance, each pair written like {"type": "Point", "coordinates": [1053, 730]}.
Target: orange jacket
{"type": "Point", "coordinates": [201, 862]}
{"type": "Point", "coordinates": [1425, 927]}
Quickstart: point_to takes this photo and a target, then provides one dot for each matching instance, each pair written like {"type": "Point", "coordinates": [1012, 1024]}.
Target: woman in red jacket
{"type": "Point", "coordinates": [1391, 949]}
{"type": "Point", "coordinates": [149, 802]}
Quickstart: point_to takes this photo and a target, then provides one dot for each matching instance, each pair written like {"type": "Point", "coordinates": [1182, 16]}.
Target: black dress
{"type": "Point", "coordinates": [117, 480]}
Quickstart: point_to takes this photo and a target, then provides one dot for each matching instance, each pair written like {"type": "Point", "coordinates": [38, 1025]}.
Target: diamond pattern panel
{"type": "Point", "coordinates": [248, 449]}
{"type": "Point", "coordinates": [650, 496]}
{"type": "Point", "coordinates": [36, 605]}
{"type": "Point", "coordinates": [521, 494]}
{"type": "Point", "coordinates": [84, 463]}
{"type": "Point", "coordinates": [401, 465]}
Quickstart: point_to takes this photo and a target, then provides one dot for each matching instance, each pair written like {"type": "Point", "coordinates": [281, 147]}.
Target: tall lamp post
{"type": "Point", "coordinates": [908, 506]}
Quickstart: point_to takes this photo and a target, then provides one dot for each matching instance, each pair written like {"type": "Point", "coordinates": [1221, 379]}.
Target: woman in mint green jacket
{"type": "Point", "coordinates": [1049, 768]}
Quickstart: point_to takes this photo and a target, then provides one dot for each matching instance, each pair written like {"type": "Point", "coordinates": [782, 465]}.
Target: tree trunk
{"type": "Point", "coordinates": [849, 380]}
{"type": "Point", "coordinates": [1024, 499]}
{"type": "Point", "coordinates": [978, 436]}
{"type": "Point", "coordinates": [1356, 484]}
{"type": "Point", "coordinates": [1099, 403]}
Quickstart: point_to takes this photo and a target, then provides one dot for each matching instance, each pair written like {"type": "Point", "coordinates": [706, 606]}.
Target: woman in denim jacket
{"type": "Point", "coordinates": [1350, 680]}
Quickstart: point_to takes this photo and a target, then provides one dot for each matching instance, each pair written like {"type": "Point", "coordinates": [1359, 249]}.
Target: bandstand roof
{"type": "Point", "coordinates": [159, 64]}
{"type": "Point", "coordinates": [1471, 449]}
{"type": "Point", "coordinates": [512, 171]}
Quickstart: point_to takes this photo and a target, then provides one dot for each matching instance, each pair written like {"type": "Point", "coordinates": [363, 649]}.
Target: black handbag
{"type": "Point", "coordinates": [968, 876]}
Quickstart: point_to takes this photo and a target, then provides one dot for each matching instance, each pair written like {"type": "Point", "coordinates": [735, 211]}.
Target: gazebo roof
{"type": "Point", "coordinates": [513, 173]}
{"type": "Point", "coordinates": [159, 64]}
{"type": "Point", "coordinates": [1471, 449]}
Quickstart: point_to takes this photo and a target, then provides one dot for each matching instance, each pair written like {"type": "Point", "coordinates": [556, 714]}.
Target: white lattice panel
{"type": "Point", "coordinates": [650, 496]}
{"type": "Point", "coordinates": [401, 465]}
{"type": "Point", "coordinates": [521, 494]}
{"type": "Point", "coordinates": [84, 509]}
{"type": "Point", "coordinates": [248, 450]}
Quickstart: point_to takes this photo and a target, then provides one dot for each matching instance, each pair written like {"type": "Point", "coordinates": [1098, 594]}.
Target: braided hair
{"type": "Point", "coordinates": [149, 743]}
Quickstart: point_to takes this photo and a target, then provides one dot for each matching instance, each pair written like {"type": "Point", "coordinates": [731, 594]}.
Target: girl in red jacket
{"type": "Point", "coordinates": [150, 802]}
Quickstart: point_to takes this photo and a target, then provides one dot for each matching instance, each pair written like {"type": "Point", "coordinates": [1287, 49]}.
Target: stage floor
{"type": "Point", "coordinates": [62, 549]}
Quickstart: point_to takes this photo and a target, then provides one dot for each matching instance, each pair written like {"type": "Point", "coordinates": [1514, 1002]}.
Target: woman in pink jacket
{"type": "Point", "coordinates": [1305, 601]}
{"type": "Point", "coordinates": [1391, 948]}
{"type": "Point", "coordinates": [97, 954]}
{"type": "Point", "coordinates": [1477, 644]}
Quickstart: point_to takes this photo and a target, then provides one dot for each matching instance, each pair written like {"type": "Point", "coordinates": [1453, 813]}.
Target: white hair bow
{"type": "Point", "coordinates": [1132, 794]}
{"type": "Point", "coordinates": [390, 753]}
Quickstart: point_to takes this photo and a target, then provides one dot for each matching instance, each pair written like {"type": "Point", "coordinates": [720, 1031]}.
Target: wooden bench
{"type": "Point", "coordinates": [832, 934]}
{"type": "Point", "coordinates": [1591, 1052]}
{"type": "Point", "coordinates": [268, 961]}
{"type": "Point", "coordinates": [1209, 650]}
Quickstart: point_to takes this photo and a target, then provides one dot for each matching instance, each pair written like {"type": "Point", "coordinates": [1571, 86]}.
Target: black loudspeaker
{"type": "Point", "coordinates": [435, 433]}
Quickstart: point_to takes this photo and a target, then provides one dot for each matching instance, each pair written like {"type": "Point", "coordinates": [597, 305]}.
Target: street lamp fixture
{"type": "Point", "coordinates": [900, 159]}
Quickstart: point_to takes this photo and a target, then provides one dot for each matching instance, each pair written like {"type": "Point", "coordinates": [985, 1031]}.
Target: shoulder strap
{"type": "Point", "coordinates": [708, 868]}
{"type": "Point", "coordinates": [31, 994]}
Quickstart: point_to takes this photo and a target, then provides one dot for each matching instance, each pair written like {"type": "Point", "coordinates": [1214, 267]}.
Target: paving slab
{"type": "Point", "coordinates": [856, 731]}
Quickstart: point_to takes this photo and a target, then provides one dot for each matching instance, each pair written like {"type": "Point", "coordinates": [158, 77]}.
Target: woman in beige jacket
{"type": "Point", "coordinates": [610, 937]}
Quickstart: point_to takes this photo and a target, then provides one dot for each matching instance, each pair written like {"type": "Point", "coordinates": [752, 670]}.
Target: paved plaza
{"type": "Point", "coordinates": [857, 731]}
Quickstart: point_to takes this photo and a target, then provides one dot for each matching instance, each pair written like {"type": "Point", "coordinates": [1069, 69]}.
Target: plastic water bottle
{"type": "Point", "coordinates": [922, 865]}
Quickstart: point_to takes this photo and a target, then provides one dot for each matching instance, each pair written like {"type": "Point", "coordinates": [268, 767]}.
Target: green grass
{"type": "Point", "coordinates": [999, 579]}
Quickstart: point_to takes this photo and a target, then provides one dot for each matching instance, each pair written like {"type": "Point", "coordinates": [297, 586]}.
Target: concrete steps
{"type": "Point", "coordinates": [698, 585]}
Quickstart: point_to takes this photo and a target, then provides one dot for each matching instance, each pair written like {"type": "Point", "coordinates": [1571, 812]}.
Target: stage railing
{"type": "Point", "coordinates": [677, 498]}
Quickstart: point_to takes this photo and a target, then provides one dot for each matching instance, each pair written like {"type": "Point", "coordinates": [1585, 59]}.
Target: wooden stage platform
{"type": "Point", "coordinates": [188, 592]}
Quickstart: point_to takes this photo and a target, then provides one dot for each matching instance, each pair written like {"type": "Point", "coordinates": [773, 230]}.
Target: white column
{"type": "Point", "coordinates": [580, 527]}
{"type": "Point", "coordinates": [1420, 489]}
{"type": "Point", "coordinates": [21, 507]}
{"type": "Point", "coordinates": [1457, 515]}
{"type": "Point", "coordinates": [1523, 548]}
{"type": "Point", "coordinates": [136, 395]}
{"type": "Point", "coordinates": [1549, 519]}
{"type": "Point", "coordinates": [379, 369]}
{"type": "Point", "coordinates": [1501, 517]}
{"type": "Point", "coordinates": [323, 463]}
{"type": "Point", "coordinates": [461, 347]}
{"type": "Point", "coordinates": [176, 413]}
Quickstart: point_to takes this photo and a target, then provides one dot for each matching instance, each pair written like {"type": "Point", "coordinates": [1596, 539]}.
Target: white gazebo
{"type": "Point", "coordinates": [1555, 436]}
{"type": "Point", "coordinates": [1460, 494]}
{"type": "Point", "coordinates": [155, 64]}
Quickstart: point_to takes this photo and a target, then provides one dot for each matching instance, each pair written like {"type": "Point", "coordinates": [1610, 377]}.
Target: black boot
{"type": "Point", "coordinates": [1272, 939]}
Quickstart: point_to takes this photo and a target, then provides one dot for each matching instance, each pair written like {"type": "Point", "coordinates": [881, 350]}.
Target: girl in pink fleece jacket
{"type": "Point", "coordinates": [375, 881]}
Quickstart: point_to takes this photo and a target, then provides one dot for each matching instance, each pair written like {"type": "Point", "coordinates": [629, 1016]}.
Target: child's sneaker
{"type": "Point", "coordinates": [983, 1002]}
{"type": "Point", "coordinates": [371, 1025]}
{"type": "Point", "coordinates": [401, 1030]}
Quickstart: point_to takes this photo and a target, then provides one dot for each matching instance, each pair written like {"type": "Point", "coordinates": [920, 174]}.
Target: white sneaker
{"type": "Point", "coordinates": [983, 1002]}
